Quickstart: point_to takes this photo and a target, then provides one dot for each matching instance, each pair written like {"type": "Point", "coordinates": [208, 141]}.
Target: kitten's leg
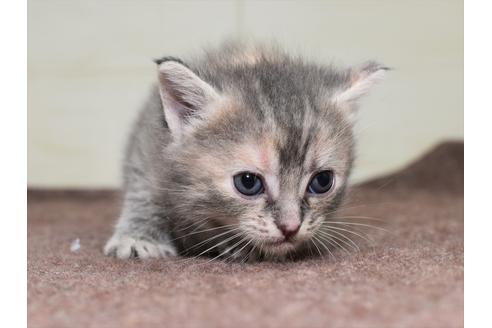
{"type": "Point", "coordinates": [140, 231]}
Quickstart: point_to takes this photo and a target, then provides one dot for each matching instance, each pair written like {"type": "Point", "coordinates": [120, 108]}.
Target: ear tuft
{"type": "Point", "coordinates": [183, 93]}
{"type": "Point", "coordinates": [360, 82]}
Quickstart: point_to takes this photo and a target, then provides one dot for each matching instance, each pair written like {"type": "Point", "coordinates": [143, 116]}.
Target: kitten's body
{"type": "Point", "coordinates": [237, 109]}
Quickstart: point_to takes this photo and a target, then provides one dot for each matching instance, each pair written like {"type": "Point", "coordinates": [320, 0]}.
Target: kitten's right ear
{"type": "Point", "coordinates": [183, 94]}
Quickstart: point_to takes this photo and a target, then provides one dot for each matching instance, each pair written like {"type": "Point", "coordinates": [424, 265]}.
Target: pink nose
{"type": "Point", "coordinates": [289, 230]}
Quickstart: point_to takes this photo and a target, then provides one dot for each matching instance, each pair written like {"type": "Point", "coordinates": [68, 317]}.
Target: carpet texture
{"type": "Point", "coordinates": [411, 276]}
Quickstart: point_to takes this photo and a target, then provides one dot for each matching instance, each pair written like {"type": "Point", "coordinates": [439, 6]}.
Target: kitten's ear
{"type": "Point", "coordinates": [183, 93]}
{"type": "Point", "coordinates": [360, 81]}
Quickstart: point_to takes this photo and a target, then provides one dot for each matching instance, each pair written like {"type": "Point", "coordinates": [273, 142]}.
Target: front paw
{"type": "Point", "coordinates": [124, 247]}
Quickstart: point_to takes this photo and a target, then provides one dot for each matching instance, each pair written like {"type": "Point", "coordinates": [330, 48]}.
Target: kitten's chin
{"type": "Point", "coordinates": [281, 247]}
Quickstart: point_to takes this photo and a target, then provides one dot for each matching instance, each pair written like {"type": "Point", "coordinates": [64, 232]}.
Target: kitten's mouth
{"type": "Point", "coordinates": [279, 245]}
{"type": "Point", "coordinates": [276, 243]}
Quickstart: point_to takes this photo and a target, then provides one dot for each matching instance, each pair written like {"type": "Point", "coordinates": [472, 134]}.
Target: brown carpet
{"type": "Point", "coordinates": [411, 277]}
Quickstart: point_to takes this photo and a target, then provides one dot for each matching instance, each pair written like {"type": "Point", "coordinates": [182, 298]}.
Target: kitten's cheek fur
{"type": "Point", "coordinates": [125, 247]}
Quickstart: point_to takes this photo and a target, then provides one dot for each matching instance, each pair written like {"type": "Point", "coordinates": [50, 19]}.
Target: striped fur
{"type": "Point", "coordinates": [236, 108]}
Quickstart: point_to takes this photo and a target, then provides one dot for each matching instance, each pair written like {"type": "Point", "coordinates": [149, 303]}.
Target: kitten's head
{"type": "Point", "coordinates": [261, 147]}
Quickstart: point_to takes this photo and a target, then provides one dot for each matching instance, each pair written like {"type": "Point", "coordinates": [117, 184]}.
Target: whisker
{"type": "Point", "coordinates": [205, 230]}
{"type": "Point", "coordinates": [358, 224]}
{"type": "Point", "coordinates": [239, 251]}
{"type": "Point", "coordinates": [342, 235]}
{"type": "Point", "coordinates": [326, 234]}
{"type": "Point", "coordinates": [211, 238]}
{"type": "Point", "coordinates": [246, 257]}
{"type": "Point", "coordinates": [354, 233]}
{"type": "Point", "coordinates": [333, 242]}
{"type": "Point", "coordinates": [314, 243]}
{"type": "Point", "coordinates": [198, 223]}
{"type": "Point", "coordinates": [311, 250]}
{"type": "Point", "coordinates": [362, 218]}
{"type": "Point", "coordinates": [214, 246]}
{"type": "Point", "coordinates": [227, 250]}
{"type": "Point", "coordinates": [349, 206]}
{"type": "Point", "coordinates": [322, 244]}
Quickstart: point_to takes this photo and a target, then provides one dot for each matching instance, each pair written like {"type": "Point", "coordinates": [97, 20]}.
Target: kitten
{"type": "Point", "coordinates": [241, 154]}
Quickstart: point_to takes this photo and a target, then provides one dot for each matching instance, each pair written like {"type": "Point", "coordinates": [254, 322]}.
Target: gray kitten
{"type": "Point", "coordinates": [241, 154]}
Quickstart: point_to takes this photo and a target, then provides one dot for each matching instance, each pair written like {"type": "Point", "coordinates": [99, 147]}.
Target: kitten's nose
{"type": "Point", "coordinates": [289, 230]}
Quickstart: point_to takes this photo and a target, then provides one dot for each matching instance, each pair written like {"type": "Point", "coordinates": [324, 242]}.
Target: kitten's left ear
{"type": "Point", "coordinates": [183, 94]}
{"type": "Point", "coordinates": [360, 81]}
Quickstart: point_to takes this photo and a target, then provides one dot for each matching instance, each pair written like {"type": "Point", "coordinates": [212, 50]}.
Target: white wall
{"type": "Point", "coordinates": [90, 69]}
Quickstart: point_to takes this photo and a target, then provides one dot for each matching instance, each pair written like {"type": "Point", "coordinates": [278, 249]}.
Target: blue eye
{"type": "Point", "coordinates": [321, 182]}
{"type": "Point", "coordinates": [248, 184]}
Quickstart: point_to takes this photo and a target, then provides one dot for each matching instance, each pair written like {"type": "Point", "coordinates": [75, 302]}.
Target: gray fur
{"type": "Point", "coordinates": [172, 203]}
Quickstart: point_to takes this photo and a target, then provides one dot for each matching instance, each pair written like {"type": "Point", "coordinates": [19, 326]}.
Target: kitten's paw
{"type": "Point", "coordinates": [124, 247]}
